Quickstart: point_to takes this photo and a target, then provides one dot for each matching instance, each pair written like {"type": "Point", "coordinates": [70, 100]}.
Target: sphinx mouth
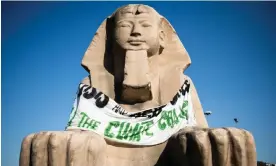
{"type": "Point", "coordinates": [136, 41]}
{"type": "Point", "coordinates": [137, 87]}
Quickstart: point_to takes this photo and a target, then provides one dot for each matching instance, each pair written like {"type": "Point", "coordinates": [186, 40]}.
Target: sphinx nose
{"type": "Point", "coordinates": [136, 31]}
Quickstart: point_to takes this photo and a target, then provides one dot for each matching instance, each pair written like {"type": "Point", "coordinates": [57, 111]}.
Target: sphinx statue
{"type": "Point", "coordinates": [136, 107]}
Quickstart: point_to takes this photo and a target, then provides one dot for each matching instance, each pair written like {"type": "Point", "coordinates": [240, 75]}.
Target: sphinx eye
{"type": "Point", "coordinates": [125, 25]}
{"type": "Point", "coordinates": [146, 25]}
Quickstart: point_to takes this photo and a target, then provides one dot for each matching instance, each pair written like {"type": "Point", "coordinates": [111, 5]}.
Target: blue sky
{"type": "Point", "coordinates": [232, 46]}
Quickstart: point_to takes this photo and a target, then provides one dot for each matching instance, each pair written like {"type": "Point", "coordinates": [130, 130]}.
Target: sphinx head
{"type": "Point", "coordinates": [132, 53]}
{"type": "Point", "coordinates": [138, 27]}
{"type": "Point", "coordinates": [137, 34]}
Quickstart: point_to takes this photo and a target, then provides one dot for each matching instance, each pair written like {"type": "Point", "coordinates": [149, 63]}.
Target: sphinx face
{"type": "Point", "coordinates": [138, 33]}
{"type": "Point", "coordinates": [129, 54]}
{"type": "Point", "coordinates": [137, 28]}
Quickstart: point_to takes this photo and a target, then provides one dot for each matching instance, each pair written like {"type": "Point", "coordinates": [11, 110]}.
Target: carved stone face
{"type": "Point", "coordinates": [136, 57]}
{"type": "Point", "coordinates": [138, 28]}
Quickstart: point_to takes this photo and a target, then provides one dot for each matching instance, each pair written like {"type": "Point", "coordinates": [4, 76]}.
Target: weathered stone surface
{"type": "Point", "coordinates": [137, 59]}
{"type": "Point", "coordinates": [188, 147]}
{"type": "Point", "coordinates": [62, 148]}
{"type": "Point", "coordinates": [210, 147]}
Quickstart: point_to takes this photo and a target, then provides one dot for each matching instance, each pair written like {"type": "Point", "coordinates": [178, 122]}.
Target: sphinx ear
{"type": "Point", "coordinates": [162, 37]}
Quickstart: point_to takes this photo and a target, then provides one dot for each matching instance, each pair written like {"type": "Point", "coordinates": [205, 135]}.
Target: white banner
{"type": "Point", "coordinates": [93, 110]}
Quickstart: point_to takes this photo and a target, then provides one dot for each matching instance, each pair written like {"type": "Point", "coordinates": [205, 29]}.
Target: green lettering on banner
{"type": "Point", "coordinates": [92, 124]}
{"type": "Point", "coordinates": [88, 123]}
{"type": "Point", "coordinates": [169, 119]}
{"type": "Point", "coordinates": [162, 126]}
{"type": "Point", "coordinates": [132, 132]}
{"type": "Point", "coordinates": [84, 116]}
{"type": "Point", "coordinates": [123, 131]}
{"type": "Point", "coordinates": [108, 128]}
{"type": "Point", "coordinates": [175, 118]}
{"type": "Point", "coordinates": [135, 134]}
{"type": "Point", "coordinates": [184, 110]}
{"type": "Point", "coordinates": [148, 124]}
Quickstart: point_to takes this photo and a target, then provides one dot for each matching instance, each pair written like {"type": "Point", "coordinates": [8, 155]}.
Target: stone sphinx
{"type": "Point", "coordinates": [136, 63]}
